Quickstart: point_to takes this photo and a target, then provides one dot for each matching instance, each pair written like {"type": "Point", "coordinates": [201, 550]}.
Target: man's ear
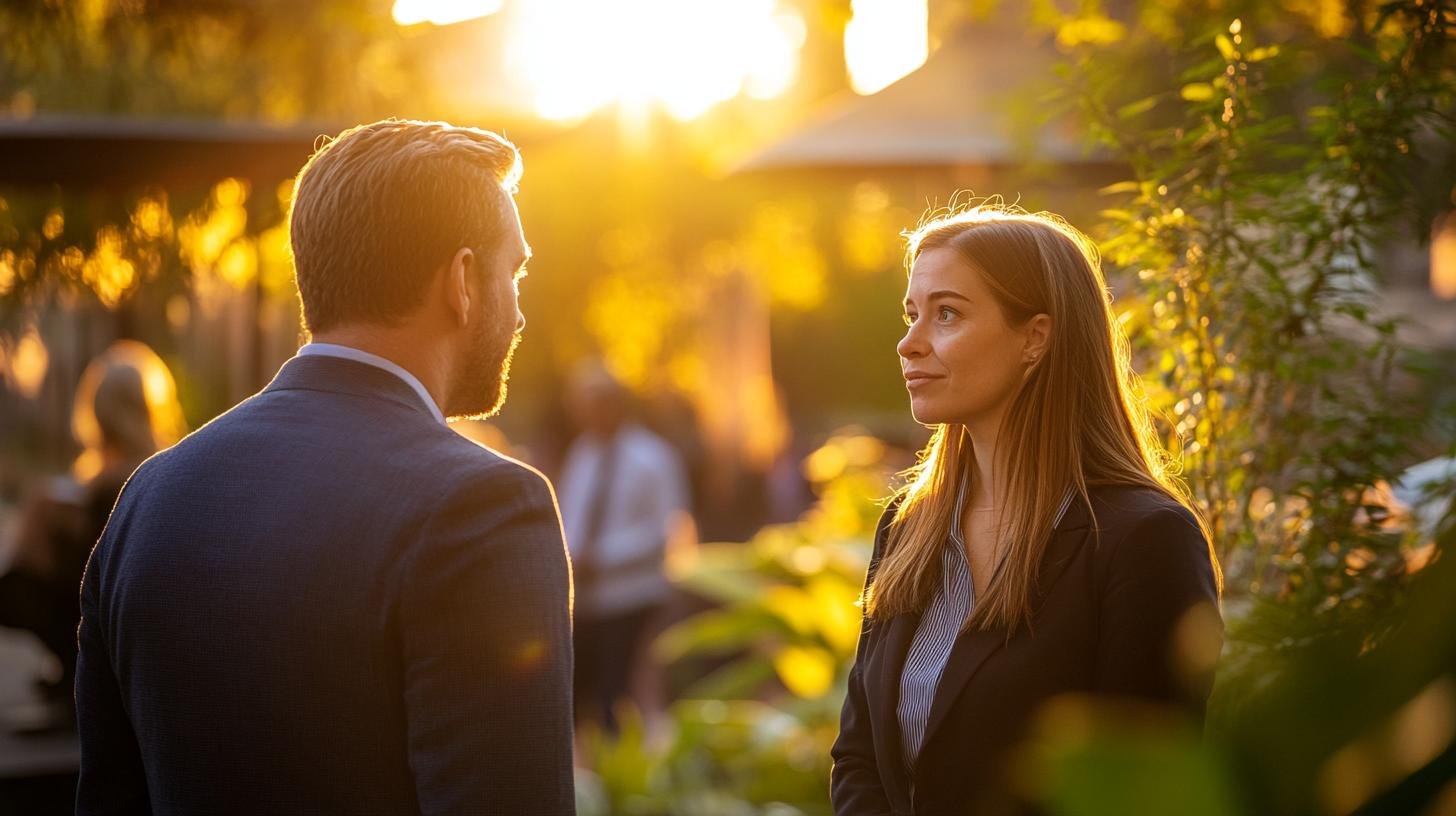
{"type": "Point", "coordinates": [457, 289]}
{"type": "Point", "coordinates": [1038, 338]}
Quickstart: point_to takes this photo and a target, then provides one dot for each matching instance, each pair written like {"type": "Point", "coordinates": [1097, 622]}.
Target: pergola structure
{"type": "Point", "coordinates": [109, 153]}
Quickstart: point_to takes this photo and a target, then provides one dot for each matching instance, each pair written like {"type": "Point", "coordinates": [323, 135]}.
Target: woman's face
{"type": "Point", "coordinates": [962, 361]}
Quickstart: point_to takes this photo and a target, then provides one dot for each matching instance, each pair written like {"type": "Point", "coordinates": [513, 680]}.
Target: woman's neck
{"type": "Point", "coordinates": [986, 490]}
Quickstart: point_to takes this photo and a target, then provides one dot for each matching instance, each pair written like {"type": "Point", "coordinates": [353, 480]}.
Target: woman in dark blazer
{"type": "Point", "coordinates": [1040, 548]}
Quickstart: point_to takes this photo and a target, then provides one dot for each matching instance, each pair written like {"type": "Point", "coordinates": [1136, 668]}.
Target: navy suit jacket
{"type": "Point", "coordinates": [1114, 585]}
{"type": "Point", "coordinates": [325, 601]}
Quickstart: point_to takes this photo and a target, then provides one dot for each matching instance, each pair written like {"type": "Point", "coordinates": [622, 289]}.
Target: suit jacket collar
{"type": "Point", "coordinates": [343, 376]}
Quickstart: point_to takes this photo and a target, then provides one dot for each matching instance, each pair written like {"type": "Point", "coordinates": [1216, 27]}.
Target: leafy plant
{"type": "Point", "coordinates": [753, 736]}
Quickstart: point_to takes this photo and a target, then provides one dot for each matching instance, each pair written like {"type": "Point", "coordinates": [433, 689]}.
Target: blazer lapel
{"type": "Point", "coordinates": [884, 718]}
{"type": "Point", "coordinates": [972, 649]}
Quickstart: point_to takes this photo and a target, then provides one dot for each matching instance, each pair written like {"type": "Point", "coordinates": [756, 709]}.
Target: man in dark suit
{"type": "Point", "coordinates": [325, 601]}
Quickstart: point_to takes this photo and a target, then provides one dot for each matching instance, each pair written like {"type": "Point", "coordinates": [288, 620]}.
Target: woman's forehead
{"type": "Point", "coordinates": [940, 268]}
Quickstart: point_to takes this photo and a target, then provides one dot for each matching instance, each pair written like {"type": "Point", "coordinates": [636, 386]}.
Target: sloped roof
{"type": "Point", "coordinates": [960, 107]}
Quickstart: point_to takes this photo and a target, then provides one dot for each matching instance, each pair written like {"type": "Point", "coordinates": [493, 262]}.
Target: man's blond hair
{"type": "Point", "coordinates": [381, 206]}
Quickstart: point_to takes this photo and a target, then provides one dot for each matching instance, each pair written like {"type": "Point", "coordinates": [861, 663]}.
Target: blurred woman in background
{"type": "Point", "coordinates": [1041, 547]}
{"type": "Point", "coordinates": [125, 410]}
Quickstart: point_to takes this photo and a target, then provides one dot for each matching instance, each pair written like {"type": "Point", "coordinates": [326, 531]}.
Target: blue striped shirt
{"type": "Point", "coordinates": [939, 627]}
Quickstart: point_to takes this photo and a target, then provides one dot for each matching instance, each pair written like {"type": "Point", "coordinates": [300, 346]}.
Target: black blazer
{"type": "Point", "coordinates": [1109, 597]}
{"type": "Point", "coordinates": [324, 601]}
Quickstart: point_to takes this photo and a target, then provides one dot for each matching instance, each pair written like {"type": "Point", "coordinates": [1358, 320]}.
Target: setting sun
{"type": "Point", "coordinates": [684, 55]}
{"type": "Point", "coordinates": [885, 40]}
{"type": "Point", "coordinates": [443, 12]}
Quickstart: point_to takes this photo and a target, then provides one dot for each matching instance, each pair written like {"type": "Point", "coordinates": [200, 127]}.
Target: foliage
{"type": "Point", "coordinates": [1266, 178]}
{"type": "Point", "coordinates": [1274, 155]}
{"type": "Point", "coordinates": [258, 61]}
{"type": "Point", "coordinates": [273, 60]}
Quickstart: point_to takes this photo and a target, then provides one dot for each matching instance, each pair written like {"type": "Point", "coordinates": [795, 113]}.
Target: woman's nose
{"type": "Point", "coordinates": [910, 346]}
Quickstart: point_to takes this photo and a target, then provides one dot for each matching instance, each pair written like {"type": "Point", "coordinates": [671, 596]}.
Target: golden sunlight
{"type": "Point", "coordinates": [884, 41]}
{"type": "Point", "coordinates": [443, 12]}
{"type": "Point", "coordinates": [684, 56]}
{"type": "Point", "coordinates": [26, 364]}
{"type": "Point", "coordinates": [1443, 258]}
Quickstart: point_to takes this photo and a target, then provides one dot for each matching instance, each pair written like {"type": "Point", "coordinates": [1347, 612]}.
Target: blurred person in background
{"type": "Point", "coordinates": [1042, 547]}
{"type": "Point", "coordinates": [125, 410]}
{"type": "Point", "coordinates": [624, 499]}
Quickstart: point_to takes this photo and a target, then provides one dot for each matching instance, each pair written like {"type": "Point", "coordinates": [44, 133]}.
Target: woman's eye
{"type": "Point", "coordinates": [944, 313]}
{"type": "Point", "coordinates": [908, 318]}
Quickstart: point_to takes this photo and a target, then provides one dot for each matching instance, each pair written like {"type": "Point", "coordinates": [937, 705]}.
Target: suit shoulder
{"type": "Point", "coordinates": [477, 466]}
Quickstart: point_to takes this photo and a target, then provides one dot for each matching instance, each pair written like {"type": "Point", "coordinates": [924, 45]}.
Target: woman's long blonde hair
{"type": "Point", "coordinates": [1074, 422]}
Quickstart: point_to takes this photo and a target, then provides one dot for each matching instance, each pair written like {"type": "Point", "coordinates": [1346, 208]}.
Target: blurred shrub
{"type": "Point", "coordinates": [1276, 151]}
{"type": "Point", "coordinates": [753, 735]}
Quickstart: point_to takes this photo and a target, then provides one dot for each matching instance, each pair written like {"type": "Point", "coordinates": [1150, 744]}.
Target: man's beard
{"type": "Point", "coordinates": [481, 389]}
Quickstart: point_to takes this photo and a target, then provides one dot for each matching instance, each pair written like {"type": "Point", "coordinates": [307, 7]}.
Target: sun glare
{"type": "Point", "coordinates": [1443, 259]}
{"type": "Point", "coordinates": [577, 56]}
{"type": "Point", "coordinates": [443, 12]}
{"type": "Point", "coordinates": [884, 41]}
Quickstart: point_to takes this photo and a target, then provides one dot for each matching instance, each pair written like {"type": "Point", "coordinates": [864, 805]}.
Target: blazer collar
{"type": "Point", "coordinates": [972, 649]}
{"type": "Point", "coordinates": [343, 376]}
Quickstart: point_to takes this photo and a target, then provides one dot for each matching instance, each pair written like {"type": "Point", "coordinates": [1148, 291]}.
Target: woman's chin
{"type": "Point", "coordinates": [926, 414]}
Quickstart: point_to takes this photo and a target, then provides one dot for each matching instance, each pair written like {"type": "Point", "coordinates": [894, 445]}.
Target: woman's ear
{"type": "Point", "coordinates": [458, 293]}
{"type": "Point", "coordinates": [1038, 338]}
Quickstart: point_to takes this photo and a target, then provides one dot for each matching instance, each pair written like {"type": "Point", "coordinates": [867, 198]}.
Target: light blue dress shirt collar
{"type": "Point", "coordinates": [350, 353]}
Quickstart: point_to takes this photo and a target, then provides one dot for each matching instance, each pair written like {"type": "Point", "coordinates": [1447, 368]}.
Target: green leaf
{"type": "Point", "coordinates": [739, 680]}
{"type": "Point", "coordinates": [715, 632]}
{"type": "Point", "coordinates": [1197, 92]}
{"type": "Point", "coordinates": [806, 671]}
{"type": "Point", "coordinates": [1119, 187]}
{"type": "Point", "coordinates": [1226, 47]}
{"type": "Point", "coordinates": [1261, 54]}
{"type": "Point", "coordinates": [1137, 108]}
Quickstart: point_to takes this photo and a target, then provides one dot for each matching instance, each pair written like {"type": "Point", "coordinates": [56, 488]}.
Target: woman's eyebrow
{"type": "Point", "coordinates": [942, 294]}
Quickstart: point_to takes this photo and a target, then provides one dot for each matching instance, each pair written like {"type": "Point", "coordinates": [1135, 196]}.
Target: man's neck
{"type": "Point", "coordinates": [425, 360]}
